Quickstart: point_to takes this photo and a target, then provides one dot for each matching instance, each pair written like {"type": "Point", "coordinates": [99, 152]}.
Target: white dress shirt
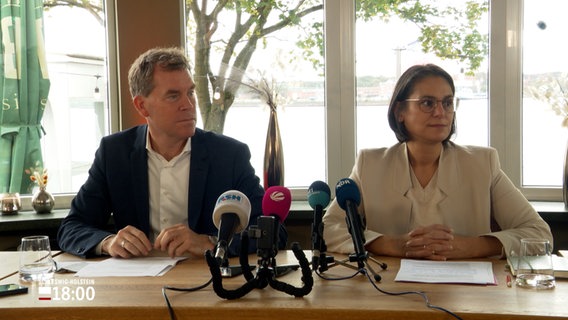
{"type": "Point", "coordinates": [168, 187]}
{"type": "Point", "coordinates": [425, 201]}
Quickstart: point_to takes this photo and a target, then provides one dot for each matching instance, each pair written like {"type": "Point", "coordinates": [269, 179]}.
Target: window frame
{"type": "Point", "coordinates": [63, 200]}
{"type": "Point", "coordinates": [505, 93]}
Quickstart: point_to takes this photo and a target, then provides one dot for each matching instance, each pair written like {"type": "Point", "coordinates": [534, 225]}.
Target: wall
{"type": "Point", "coordinates": [137, 33]}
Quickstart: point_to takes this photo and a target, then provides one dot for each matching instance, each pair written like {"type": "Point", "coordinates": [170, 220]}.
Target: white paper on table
{"type": "Point", "coordinates": [72, 266]}
{"type": "Point", "coordinates": [474, 272]}
{"type": "Point", "coordinates": [133, 267]}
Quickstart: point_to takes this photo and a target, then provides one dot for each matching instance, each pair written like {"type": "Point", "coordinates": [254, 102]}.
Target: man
{"type": "Point", "coordinates": [160, 181]}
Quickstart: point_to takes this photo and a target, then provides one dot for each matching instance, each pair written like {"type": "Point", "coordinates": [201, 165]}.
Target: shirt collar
{"type": "Point", "coordinates": [186, 148]}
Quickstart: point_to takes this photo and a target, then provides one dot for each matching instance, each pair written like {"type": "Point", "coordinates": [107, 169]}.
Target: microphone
{"type": "Point", "coordinates": [348, 198]}
{"type": "Point", "coordinates": [231, 215]}
{"type": "Point", "coordinates": [318, 198]}
{"type": "Point", "coordinates": [276, 202]}
{"type": "Point", "coordinates": [275, 208]}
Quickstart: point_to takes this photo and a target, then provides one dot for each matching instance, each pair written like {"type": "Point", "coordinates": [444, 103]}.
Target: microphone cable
{"type": "Point", "coordinates": [321, 275]}
{"type": "Point", "coordinates": [192, 289]}
{"type": "Point", "coordinates": [366, 274]}
{"type": "Point", "coordinates": [420, 293]}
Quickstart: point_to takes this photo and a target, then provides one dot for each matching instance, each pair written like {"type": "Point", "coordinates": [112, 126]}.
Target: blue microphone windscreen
{"type": "Point", "coordinates": [319, 194]}
{"type": "Point", "coordinates": [346, 189]}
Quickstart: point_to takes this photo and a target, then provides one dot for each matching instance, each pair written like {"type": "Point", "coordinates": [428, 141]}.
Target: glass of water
{"type": "Point", "coordinates": [36, 262]}
{"type": "Point", "coordinates": [535, 269]}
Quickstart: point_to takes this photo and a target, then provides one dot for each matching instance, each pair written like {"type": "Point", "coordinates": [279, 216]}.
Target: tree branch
{"type": "Point", "coordinates": [95, 10]}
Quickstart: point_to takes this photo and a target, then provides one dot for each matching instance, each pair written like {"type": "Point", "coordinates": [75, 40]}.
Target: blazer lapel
{"type": "Point", "coordinates": [139, 165]}
{"type": "Point", "coordinates": [448, 175]}
{"type": "Point", "coordinates": [199, 168]}
{"type": "Point", "coordinates": [402, 184]}
{"type": "Point", "coordinates": [401, 170]}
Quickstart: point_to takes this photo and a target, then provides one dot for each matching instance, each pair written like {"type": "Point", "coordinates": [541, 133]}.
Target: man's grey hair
{"type": "Point", "coordinates": [141, 73]}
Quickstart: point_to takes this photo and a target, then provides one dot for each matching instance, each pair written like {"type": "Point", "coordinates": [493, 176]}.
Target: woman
{"type": "Point", "coordinates": [427, 197]}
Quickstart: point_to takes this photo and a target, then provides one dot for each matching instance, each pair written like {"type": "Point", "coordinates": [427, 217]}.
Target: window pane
{"type": "Point", "coordinates": [76, 56]}
{"type": "Point", "coordinates": [545, 90]}
{"type": "Point", "coordinates": [386, 48]}
{"type": "Point", "coordinates": [74, 116]}
{"type": "Point", "coordinates": [278, 59]}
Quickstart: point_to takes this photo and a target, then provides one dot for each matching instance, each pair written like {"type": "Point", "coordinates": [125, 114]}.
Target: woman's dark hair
{"type": "Point", "coordinates": [404, 88]}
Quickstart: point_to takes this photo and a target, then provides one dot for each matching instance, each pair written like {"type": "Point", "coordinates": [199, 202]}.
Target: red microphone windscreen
{"type": "Point", "coordinates": [276, 202]}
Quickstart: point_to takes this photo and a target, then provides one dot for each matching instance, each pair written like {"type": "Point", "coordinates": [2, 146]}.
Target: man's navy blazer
{"type": "Point", "coordinates": [118, 185]}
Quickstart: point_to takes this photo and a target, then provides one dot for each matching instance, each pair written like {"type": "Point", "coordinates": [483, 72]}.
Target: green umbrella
{"type": "Point", "coordinates": [24, 86]}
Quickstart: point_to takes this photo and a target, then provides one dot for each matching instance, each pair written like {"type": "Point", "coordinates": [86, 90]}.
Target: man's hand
{"type": "Point", "coordinates": [179, 239]}
{"type": "Point", "coordinates": [128, 242]}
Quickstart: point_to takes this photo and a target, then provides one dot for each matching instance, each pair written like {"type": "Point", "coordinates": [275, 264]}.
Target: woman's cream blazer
{"type": "Point", "coordinates": [479, 198]}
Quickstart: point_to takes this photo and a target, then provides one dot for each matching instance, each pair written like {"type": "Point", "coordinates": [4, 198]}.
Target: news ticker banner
{"type": "Point", "coordinates": [67, 290]}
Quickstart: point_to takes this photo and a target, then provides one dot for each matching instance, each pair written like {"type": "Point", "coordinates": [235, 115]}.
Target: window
{"type": "Point", "coordinates": [297, 84]}
{"type": "Point", "coordinates": [363, 60]}
{"type": "Point", "coordinates": [75, 50]}
{"type": "Point", "coordinates": [331, 112]}
{"type": "Point", "coordinates": [545, 93]}
{"type": "Point", "coordinates": [77, 97]}
{"type": "Point", "coordinates": [387, 47]}
{"type": "Point", "coordinates": [522, 51]}
{"type": "Point", "coordinates": [376, 56]}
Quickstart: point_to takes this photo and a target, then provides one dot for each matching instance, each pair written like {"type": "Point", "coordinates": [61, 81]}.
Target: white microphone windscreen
{"type": "Point", "coordinates": [236, 202]}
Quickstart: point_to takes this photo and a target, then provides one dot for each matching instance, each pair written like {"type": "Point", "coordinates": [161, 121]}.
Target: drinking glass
{"type": "Point", "coordinates": [535, 269]}
{"type": "Point", "coordinates": [36, 262]}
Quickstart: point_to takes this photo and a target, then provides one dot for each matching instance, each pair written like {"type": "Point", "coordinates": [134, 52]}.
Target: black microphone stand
{"type": "Point", "coordinates": [362, 264]}
{"type": "Point", "coordinates": [320, 259]}
{"type": "Point", "coordinates": [266, 274]}
{"type": "Point", "coordinates": [321, 262]}
{"type": "Point", "coordinates": [229, 271]}
{"type": "Point", "coordinates": [360, 256]}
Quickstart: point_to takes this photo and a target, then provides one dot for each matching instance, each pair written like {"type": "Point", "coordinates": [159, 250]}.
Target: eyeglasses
{"type": "Point", "coordinates": [428, 104]}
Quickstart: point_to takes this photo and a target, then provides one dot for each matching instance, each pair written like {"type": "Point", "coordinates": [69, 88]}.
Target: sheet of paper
{"type": "Point", "coordinates": [133, 267]}
{"type": "Point", "coordinates": [72, 266]}
{"type": "Point", "coordinates": [475, 272]}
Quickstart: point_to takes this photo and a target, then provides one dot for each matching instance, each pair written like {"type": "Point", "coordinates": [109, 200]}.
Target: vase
{"type": "Point", "coordinates": [10, 203]}
{"type": "Point", "coordinates": [273, 153]}
{"type": "Point", "coordinates": [42, 201]}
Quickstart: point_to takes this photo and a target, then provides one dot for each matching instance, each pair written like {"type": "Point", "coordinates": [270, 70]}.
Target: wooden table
{"type": "Point", "coordinates": [356, 298]}
{"type": "Point", "coordinates": [10, 263]}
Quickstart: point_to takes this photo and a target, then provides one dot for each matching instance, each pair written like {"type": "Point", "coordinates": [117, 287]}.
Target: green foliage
{"type": "Point", "coordinates": [367, 10]}
{"type": "Point", "coordinates": [552, 90]}
{"type": "Point", "coordinates": [313, 46]}
{"type": "Point", "coordinates": [257, 20]}
{"type": "Point", "coordinates": [461, 41]}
